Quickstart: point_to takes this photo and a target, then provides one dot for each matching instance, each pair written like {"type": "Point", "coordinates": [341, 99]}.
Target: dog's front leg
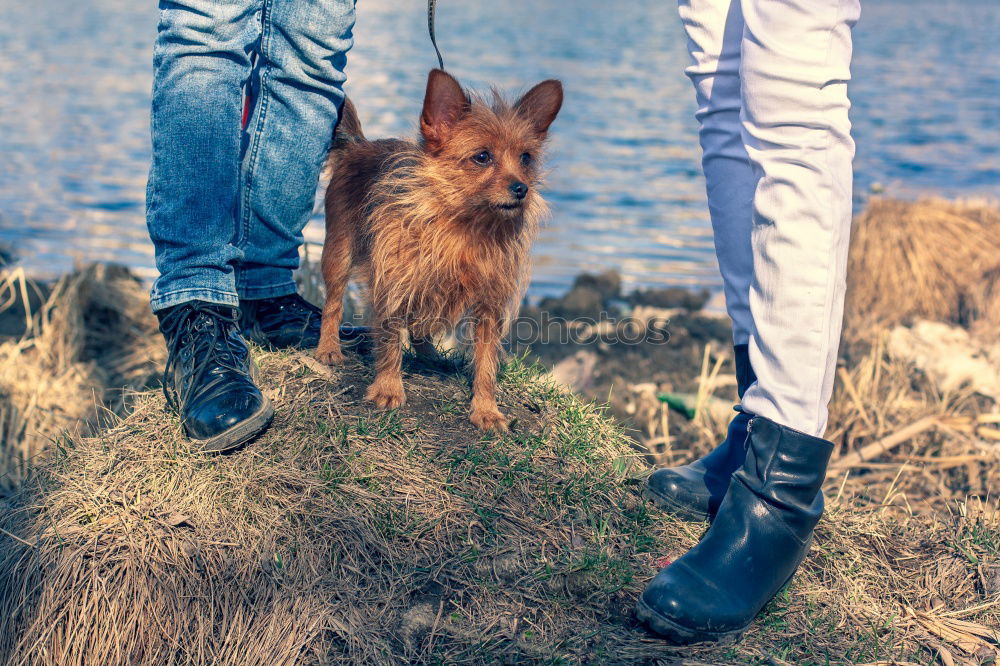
{"type": "Point", "coordinates": [387, 389]}
{"type": "Point", "coordinates": [485, 413]}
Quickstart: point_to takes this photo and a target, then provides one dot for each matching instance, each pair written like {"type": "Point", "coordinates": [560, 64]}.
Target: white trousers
{"type": "Point", "coordinates": [771, 82]}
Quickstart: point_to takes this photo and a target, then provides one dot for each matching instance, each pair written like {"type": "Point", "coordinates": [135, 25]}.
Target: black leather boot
{"type": "Point", "coordinates": [756, 542]}
{"type": "Point", "coordinates": [694, 491]}
{"type": "Point", "coordinates": [281, 322]}
{"type": "Point", "coordinates": [292, 321]}
{"type": "Point", "coordinates": [208, 380]}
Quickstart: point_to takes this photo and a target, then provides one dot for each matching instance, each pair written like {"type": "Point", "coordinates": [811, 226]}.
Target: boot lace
{"type": "Point", "coordinates": [298, 310]}
{"type": "Point", "coordinates": [205, 328]}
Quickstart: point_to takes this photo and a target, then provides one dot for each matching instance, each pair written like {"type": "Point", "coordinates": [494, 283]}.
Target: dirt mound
{"type": "Point", "coordinates": [346, 535]}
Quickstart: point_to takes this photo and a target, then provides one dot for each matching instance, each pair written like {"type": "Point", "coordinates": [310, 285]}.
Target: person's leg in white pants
{"type": "Point", "coordinates": [771, 84]}
{"type": "Point", "coordinates": [715, 32]}
{"type": "Point", "coordinates": [793, 67]}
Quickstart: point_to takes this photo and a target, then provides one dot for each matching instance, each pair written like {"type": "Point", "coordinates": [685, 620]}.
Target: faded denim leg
{"type": "Point", "coordinates": [299, 90]}
{"type": "Point", "coordinates": [715, 30]}
{"type": "Point", "coordinates": [201, 61]}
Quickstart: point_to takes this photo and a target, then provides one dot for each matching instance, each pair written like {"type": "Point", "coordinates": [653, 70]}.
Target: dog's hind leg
{"type": "Point", "coordinates": [387, 389]}
{"type": "Point", "coordinates": [336, 263]}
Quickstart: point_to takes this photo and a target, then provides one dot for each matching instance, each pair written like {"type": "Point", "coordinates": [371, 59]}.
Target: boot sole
{"type": "Point", "coordinates": [679, 634]}
{"type": "Point", "coordinates": [670, 505]}
{"type": "Point", "coordinates": [241, 433]}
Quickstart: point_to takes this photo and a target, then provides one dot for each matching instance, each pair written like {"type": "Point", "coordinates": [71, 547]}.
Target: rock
{"type": "Point", "coordinates": [608, 284]}
{"type": "Point", "coordinates": [589, 297]}
{"type": "Point", "coordinates": [576, 372]}
{"type": "Point", "coordinates": [7, 255]}
{"type": "Point", "coordinates": [670, 297]}
{"type": "Point", "coordinates": [646, 313]}
{"type": "Point", "coordinates": [579, 301]}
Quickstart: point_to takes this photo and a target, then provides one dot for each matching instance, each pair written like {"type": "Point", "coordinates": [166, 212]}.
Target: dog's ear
{"type": "Point", "coordinates": [541, 104]}
{"type": "Point", "coordinates": [444, 104]}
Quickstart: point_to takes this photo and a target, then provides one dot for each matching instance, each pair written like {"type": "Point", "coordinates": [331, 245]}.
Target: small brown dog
{"type": "Point", "coordinates": [439, 229]}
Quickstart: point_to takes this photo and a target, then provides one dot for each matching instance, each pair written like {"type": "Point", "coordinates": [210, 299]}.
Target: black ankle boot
{"type": "Point", "coordinates": [758, 539]}
{"type": "Point", "coordinates": [281, 322]}
{"type": "Point", "coordinates": [207, 377]}
{"type": "Point", "coordinates": [693, 492]}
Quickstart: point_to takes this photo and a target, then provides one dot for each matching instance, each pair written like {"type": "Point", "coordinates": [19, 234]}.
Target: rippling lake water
{"type": "Point", "coordinates": [626, 189]}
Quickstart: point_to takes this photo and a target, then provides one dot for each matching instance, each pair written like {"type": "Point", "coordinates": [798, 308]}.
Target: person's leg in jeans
{"type": "Point", "coordinates": [795, 64]}
{"type": "Point", "coordinates": [201, 61]}
{"type": "Point", "coordinates": [201, 65]}
{"type": "Point", "coordinates": [299, 90]}
{"type": "Point", "coordinates": [715, 30]}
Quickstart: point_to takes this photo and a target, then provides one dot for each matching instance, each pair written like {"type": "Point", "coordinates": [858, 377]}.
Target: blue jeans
{"type": "Point", "coordinates": [225, 206]}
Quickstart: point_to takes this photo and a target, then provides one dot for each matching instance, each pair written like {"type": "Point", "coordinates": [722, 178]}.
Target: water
{"type": "Point", "coordinates": [626, 189]}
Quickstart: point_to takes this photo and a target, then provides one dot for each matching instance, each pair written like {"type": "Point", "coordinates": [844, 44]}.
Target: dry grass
{"type": "Point", "coordinates": [984, 305]}
{"type": "Point", "coordinates": [930, 259]}
{"type": "Point", "coordinates": [941, 447]}
{"type": "Point", "coordinates": [92, 337]}
{"type": "Point", "coordinates": [345, 535]}
{"type": "Point", "coordinates": [901, 440]}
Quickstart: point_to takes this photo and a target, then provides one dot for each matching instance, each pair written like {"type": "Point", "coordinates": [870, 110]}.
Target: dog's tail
{"type": "Point", "coordinates": [348, 128]}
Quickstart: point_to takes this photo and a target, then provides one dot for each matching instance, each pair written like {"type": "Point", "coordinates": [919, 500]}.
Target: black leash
{"type": "Point", "coordinates": [431, 6]}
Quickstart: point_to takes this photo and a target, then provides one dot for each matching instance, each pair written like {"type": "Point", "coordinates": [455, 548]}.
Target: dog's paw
{"type": "Point", "coordinates": [489, 419]}
{"type": "Point", "coordinates": [386, 397]}
{"type": "Point", "coordinates": [330, 356]}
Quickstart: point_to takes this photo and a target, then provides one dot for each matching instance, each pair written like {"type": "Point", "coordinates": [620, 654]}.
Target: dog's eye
{"type": "Point", "coordinates": [526, 159]}
{"type": "Point", "coordinates": [483, 158]}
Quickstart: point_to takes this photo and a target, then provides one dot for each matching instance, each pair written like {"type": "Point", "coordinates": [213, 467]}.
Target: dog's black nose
{"type": "Point", "coordinates": [518, 189]}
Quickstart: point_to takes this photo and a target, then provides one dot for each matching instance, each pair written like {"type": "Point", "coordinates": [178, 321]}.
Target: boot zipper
{"type": "Point", "coordinates": [746, 440]}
